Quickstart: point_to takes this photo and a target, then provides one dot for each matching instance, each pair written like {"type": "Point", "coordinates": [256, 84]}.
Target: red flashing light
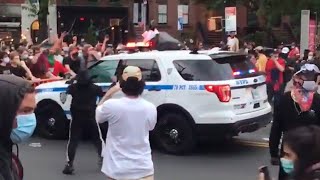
{"type": "Point", "coordinates": [82, 19]}
{"type": "Point", "coordinates": [223, 92]}
{"type": "Point", "coordinates": [131, 45]}
{"type": "Point", "coordinates": [138, 44]}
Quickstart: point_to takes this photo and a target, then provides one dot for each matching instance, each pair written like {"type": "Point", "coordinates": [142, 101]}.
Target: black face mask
{"type": "Point", "coordinates": [75, 55]}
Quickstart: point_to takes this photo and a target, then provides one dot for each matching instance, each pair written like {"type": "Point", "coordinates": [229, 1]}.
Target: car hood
{"type": "Point", "coordinates": [55, 84]}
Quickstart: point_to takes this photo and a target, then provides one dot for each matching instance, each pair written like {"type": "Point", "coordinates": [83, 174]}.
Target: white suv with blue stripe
{"type": "Point", "coordinates": [214, 94]}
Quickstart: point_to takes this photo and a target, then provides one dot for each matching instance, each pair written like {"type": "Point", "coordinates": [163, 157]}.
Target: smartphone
{"type": "Point", "coordinates": [265, 171]}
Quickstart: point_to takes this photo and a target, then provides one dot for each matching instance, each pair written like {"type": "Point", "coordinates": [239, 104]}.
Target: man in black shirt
{"type": "Point", "coordinates": [72, 63]}
{"type": "Point", "coordinates": [84, 101]}
{"type": "Point", "coordinates": [15, 66]}
{"type": "Point", "coordinates": [298, 107]}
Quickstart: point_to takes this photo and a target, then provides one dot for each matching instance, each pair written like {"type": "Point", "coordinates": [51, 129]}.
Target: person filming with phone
{"type": "Point", "coordinates": [297, 108]}
{"type": "Point", "coordinates": [301, 154]}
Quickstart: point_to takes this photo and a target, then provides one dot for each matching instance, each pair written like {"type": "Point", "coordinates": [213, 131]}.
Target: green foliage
{"type": "Point", "coordinates": [270, 11]}
{"type": "Point", "coordinates": [31, 7]}
{"type": "Point", "coordinates": [90, 36]}
{"type": "Point", "coordinates": [260, 37]}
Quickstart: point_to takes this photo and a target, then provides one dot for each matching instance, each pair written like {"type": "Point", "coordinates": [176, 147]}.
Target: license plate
{"type": "Point", "coordinates": [255, 94]}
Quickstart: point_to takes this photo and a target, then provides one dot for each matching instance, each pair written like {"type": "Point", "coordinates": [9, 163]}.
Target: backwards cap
{"type": "Point", "coordinates": [310, 71]}
{"type": "Point", "coordinates": [131, 71]}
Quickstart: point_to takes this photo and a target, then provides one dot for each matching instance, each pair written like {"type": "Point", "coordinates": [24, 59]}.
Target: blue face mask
{"type": "Point", "coordinates": [287, 165]}
{"type": "Point", "coordinates": [26, 125]}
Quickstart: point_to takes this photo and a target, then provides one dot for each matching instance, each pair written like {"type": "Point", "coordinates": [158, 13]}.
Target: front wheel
{"type": "Point", "coordinates": [51, 122]}
{"type": "Point", "coordinates": [174, 134]}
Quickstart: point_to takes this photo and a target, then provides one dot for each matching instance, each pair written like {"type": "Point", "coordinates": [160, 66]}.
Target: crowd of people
{"type": "Point", "coordinates": [55, 61]}
{"type": "Point", "coordinates": [126, 153]}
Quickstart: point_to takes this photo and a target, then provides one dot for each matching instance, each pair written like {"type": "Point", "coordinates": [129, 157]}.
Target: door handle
{"type": "Point", "coordinates": [154, 89]}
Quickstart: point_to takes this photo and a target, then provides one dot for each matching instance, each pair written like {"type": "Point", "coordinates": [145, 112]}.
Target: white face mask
{"type": "Point", "coordinates": [310, 57]}
{"type": "Point", "coordinates": [6, 60]}
{"type": "Point", "coordinates": [24, 57]}
{"type": "Point", "coordinates": [65, 49]}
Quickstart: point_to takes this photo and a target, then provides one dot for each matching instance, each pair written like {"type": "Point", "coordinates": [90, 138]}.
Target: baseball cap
{"type": "Point", "coordinates": [259, 48]}
{"type": "Point", "coordinates": [285, 50]}
{"type": "Point", "coordinates": [310, 71]}
{"type": "Point", "coordinates": [131, 71]}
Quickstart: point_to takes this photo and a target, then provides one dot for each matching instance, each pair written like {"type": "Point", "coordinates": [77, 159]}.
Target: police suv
{"type": "Point", "coordinates": [211, 93]}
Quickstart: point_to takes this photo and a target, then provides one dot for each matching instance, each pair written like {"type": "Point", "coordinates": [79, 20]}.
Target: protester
{"type": "Point", "coordinates": [301, 154]}
{"type": "Point", "coordinates": [73, 62]}
{"type": "Point", "coordinates": [301, 157]}
{"type": "Point", "coordinates": [252, 55]}
{"type": "Point", "coordinates": [16, 67]}
{"type": "Point", "coordinates": [274, 77]}
{"type": "Point", "coordinates": [84, 97]}
{"type": "Point", "coordinates": [289, 70]}
{"type": "Point", "coordinates": [298, 107]}
{"type": "Point", "coordinates": [127, 154]}
{"type": "Point", "coordinates": [17, 120]}
{"type": "Point", "coordinates": [90, 55]}
{"type": "Point", "coordinates": [39, 65]}
{"type": "Point", "coordinates": [294, 52]}
{"type": "Point", "coordinates": [262, 59]}
{"type": "Point", "coordinates": [233, 42]}
{"type": "Point", "coordinates": [4, 63]}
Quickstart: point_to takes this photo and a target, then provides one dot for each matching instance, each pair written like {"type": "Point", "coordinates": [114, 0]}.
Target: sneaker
{"type": "Point", "coordinates": [68, 169]}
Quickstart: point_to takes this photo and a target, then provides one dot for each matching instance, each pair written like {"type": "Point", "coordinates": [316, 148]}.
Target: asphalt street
{"type": "Point", "coordinates": [232, 161]}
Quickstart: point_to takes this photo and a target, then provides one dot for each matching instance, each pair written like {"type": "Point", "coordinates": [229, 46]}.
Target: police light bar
{"type": "Point", "coordinates": [138, 44]}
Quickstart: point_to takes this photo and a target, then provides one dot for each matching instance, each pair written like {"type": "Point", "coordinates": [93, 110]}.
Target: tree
{"type": "Point", "coordinates": [42, 18]}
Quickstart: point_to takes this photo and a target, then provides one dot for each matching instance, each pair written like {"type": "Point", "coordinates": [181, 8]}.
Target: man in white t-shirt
{"type": "Point", "coordinates": [127, 154]}
{"type": "Point", "coordinates": [233, 42]}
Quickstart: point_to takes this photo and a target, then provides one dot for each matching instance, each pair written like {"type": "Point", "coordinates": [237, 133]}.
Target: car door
{"type": "Point", "coordinates": [154, 76]}
{"type": "Point", "coordinates": [104, 72]}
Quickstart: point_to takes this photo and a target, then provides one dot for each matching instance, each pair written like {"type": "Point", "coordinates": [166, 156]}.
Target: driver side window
{"type": "Point", "coordinates": [104, 71]}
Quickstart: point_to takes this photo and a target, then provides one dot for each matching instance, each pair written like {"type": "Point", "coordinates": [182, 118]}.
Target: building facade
{"type": "Point", "coordinates": [122, 20]}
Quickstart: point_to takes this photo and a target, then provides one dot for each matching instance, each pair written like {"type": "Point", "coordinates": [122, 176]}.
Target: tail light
{"type": "Point", "coordinates": [223, 92]}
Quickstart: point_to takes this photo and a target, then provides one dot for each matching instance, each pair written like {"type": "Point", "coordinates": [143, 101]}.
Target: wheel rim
{"type": "Point", "coordinates": [49, 125]}
{"type": "Point", "coordinates": [170, 134]}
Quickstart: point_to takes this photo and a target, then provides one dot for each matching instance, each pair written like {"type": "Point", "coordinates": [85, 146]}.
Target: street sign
{"type": "Point", "coordinates": [231, 19]}
{"type": "Point", "coordinates": [304, 36]}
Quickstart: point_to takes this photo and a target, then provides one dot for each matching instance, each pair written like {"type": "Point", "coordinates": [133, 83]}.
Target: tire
{"type": "Point", "coordinates": [174, 134]}
{"type": "Point", "coordinates": [51, 122]}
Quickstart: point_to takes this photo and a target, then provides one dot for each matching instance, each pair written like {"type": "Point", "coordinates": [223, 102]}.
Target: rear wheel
{"type": "Point", "coordinates": [174, 134]}
{"type": "Point", "coordinates": [51, 122]}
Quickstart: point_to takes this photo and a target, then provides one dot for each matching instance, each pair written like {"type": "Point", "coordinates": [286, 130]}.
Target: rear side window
{"type": "Point", "coordinates": [104, 71]}
{"type": "Point", "coordinates": [222, 68]}
{"type": "Point", "coordinates": [149, 68]}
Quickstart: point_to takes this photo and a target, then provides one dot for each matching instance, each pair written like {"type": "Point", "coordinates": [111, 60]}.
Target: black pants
{"type": "Point", "coordinates": [275, 95]}
{"type": "Point", "coordinates": [82, 121]}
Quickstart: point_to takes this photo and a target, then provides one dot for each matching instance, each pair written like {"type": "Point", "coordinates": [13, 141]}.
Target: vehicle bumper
{"type": "Point", "coordinates": [233, 129]}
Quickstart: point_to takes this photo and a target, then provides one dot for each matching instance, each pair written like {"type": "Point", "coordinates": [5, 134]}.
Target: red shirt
{"type": "Point", "coordinates": [58, 68]}
{"type": "Point", "coordinates": [41, 67]}
{"type": "Point", "coordinates": [294, 53]}
{"type": "Point", "coordinates": [271, 66]}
